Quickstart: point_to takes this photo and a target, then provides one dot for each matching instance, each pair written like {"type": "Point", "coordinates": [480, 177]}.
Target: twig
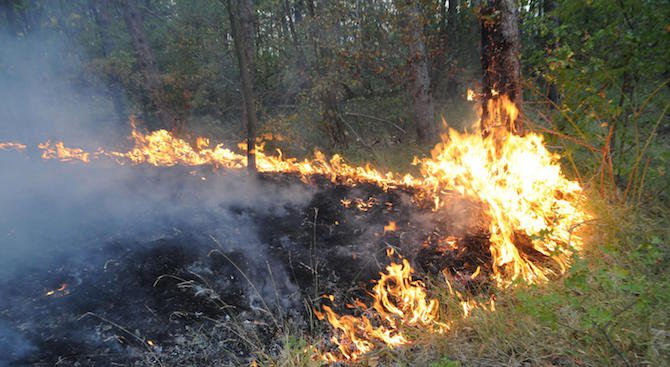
{"type": "Point", "coordinates": [137, 337]}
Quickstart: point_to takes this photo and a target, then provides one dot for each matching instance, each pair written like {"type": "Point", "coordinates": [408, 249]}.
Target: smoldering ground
{"type": "Point", "coordinates": [68, 225]}
{"type": "Point", "coordinates": [105, 263]}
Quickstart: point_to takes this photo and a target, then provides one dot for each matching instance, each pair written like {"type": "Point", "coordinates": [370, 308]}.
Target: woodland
{"type": "Point", "coordinates": [389, 85]}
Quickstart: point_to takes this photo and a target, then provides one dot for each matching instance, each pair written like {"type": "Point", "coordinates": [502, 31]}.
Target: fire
{"type": "Point", "coordinates": [526, 199]}
{"type": "Point", "coordinates": [62, 153]}
{"type": "Point", "coordinates": [529, 206]}
{"type": "Point", "coordinates": [399, 300]}
{"type": "Point", "coordinates": [525, 195]}
{"type": "Point", "coordinates": [471, 96]}
{"type": "Point", "coordinates": [391, 227]}
{"type": "Point", "coordinates": [10, 145]}
{"type": "Point", "coordinates": [60, 291]}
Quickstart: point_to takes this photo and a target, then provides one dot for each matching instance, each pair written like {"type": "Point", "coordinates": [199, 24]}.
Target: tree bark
{"type": "Point", "coordinates": [103, 19]}
{"type": "Point", "coordinates": [147, 63]}
{"type": "Point", "coordinates": [241, 13]}
{"type": "Point", "coordinates": [500, 48]}
{"type": "Point", "coordinates": [423, 107]}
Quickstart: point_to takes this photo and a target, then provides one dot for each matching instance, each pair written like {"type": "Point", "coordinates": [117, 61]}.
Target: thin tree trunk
{"type": "Point", "coordinates": [500, 46]}
{"type": "Point", "coordinates": [101, 14]}
{"type": "Point", "coordinates": [424, 109]}
{"type": "Point", "coordinates": [241, 13]}
{"type": "Point", "coordinates": [147, 63]}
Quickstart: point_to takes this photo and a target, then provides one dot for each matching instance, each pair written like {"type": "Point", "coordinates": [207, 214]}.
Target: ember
{"type": "Point", "coordinates": [59, 292]}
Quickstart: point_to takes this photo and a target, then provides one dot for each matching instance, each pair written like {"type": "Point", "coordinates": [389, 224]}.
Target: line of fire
{"type": "Point", "coordinates": [172, 247]}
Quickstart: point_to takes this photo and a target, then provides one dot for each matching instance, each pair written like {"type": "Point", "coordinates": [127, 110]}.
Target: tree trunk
{"type": "Point", "coordinates": [500, 47]}
{"type": "Point", "coordinates": [101, 14]}
{"type": "Point", "coordinates": [424, 110]}
{"type": "Point", "coordinates": [332, 116]}
{"type": "Point", "coordinates": [147, 63]}
{"type": "Point", "coordinates": [241, 13]}
{"type": "Point", "coordinates": [552, 89]}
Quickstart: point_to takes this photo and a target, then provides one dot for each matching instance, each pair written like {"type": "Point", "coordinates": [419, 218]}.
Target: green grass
{"type": "Point", "coordinates": [610, 308]}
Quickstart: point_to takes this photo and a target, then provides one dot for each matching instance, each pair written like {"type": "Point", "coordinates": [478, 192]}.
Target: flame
{"type": "Point", "coordinates": [523, 191]}
{"type": "Point", "coordinates": [12, 145]}
{"type": "Point", "coordinates": [61, 291]}
{"type": "Point", "coordinates": [529, 206]}
{"type": "Point", "coordinates": [399, 300]}
{"type": "Point", "coordinates": [471, 95]}
{"type": "Point", "coordinates": [62, 153]}
{"type": "Point", "coordinates": [391, 227]}
{"type": "Point", "coordinates": [525, 198]}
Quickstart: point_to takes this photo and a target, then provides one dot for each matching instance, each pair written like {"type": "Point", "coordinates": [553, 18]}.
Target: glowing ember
{"type": "Point", "coordinates": [10, 145]}
{"type": "Point", "coordinates": [391, 227]}
{"type": "Point", "coordinates": [60, 291]}
{"type": "Point", "coordinates": [471, 95]}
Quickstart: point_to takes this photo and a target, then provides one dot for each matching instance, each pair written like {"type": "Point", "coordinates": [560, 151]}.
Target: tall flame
{"type": "Point", "coordinates": [523, 191]}
{"type": "Point", "coordinates": [530, 206]}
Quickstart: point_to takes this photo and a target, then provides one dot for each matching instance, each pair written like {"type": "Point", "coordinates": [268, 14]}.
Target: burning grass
{"type": "Point", "coordinates": [523, 230]}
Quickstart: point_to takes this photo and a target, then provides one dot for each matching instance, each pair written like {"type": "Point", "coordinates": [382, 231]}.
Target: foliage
{"type": "Point", "coordinates": [596, 84]}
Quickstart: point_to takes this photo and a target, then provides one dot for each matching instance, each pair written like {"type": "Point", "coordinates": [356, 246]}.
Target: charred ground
{"type": "Point", "coordinates": [219, 285]}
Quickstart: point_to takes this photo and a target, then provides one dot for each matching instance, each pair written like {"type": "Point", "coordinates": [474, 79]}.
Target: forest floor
{"type": "Point", "coordinates": [198, 296]}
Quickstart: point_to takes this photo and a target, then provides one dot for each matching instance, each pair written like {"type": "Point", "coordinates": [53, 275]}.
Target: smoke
{"type": "Point", "coordinates": [56, 212]}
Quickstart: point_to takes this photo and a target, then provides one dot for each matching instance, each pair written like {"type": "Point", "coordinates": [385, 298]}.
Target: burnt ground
{"type": "Point", "coordinates": [216, 285]}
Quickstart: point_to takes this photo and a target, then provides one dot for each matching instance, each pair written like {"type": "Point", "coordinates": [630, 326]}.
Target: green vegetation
{"type": "Point", "coordinates": [596, 82]}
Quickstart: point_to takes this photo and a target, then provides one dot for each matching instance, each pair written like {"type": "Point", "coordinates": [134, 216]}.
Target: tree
{"type": "Point", "coordinates": [103, 19]}
{"type": "Point", "coordinates": [500, 47]}
{"type": "Point", "coordinates": [241, 13]}
{"type": "Point", "coordinates": [423, 107]}
{"type": "Point", "coordinates": [146, 61]}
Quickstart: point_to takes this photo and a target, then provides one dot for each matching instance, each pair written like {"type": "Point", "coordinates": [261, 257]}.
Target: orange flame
{"type": "Point", "coordinates": [399, 300]}
{"type": "Point", "coordinates": [523, 192]}
{"type": "Point", "coordinates": [62, 153]}
{"type": "Point", "coordinates": [12, 145]}
{"type": "Point", "coordinates": [62, 291]}
{"type": "Point", "coordinates": [529, 205]}
{"type": "Point", "coordinates": [391, 227]}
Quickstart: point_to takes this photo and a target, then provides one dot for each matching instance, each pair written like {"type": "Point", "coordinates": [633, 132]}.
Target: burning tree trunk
{"type": "Point", "coordinates": [242, 25]}
{"type": "Point", "coordinates": [147, 63]}
{"type": "Point", "coordinates": [500, 47]}
{"type": "Point", "coordinates": [424, 110]}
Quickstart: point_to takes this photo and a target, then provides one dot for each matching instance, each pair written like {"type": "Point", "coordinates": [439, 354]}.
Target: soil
{"type": "Point", "coordinates": [189, 297]}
